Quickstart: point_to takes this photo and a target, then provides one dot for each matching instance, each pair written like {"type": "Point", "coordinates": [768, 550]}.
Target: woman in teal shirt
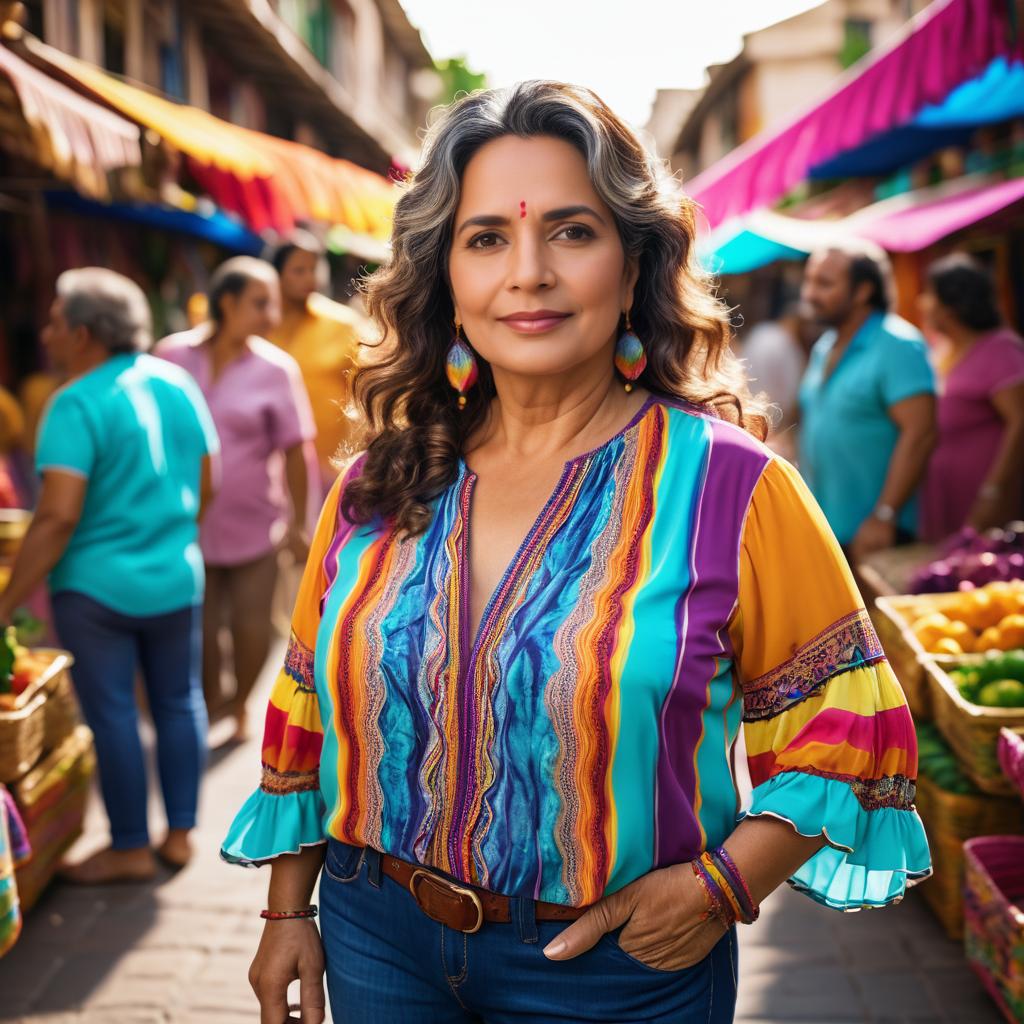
{"type": "Point", "coordinates": [123, 453]}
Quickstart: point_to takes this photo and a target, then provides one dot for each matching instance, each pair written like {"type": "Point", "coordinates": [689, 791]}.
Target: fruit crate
{"type": "Point", "coordinates": [994, 920]}
{"type": "Point", "coordinates": [949, 820]}
{"type": "Point", "coordinates": [1011, 755]}
{"type": "Point", "coordinates": [892, 617]}
{"type": "Point", "coordinates": [40, 716]}
{"type": "Point", "coordinates": [970, 729]}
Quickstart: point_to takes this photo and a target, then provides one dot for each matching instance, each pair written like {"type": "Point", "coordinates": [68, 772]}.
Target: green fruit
{"type": "Point", "coordinates": [1002, 693]}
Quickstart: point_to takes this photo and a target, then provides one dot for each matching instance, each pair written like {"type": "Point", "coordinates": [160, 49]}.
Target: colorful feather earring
{"type": "Point", "coordinates": [460, 365]}
{"type": "Point", "coordinates": [630, 357]}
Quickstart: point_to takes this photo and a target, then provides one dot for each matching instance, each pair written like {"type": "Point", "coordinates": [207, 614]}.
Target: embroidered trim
{"type": "Point", "coordinates": [893, 791]}
{"type": "Point", "coordinates": [281, 783]}
{"type": "Point", "coordinates": [847, 644]}
{"type": "Point", "coordinates": [298, 663]}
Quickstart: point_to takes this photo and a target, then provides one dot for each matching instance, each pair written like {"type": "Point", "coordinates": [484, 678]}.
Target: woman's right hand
{"type": "Point", "coordinates": [288, 950]}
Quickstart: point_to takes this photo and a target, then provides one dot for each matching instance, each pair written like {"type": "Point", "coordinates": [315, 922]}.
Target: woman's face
{"type": "Point", "coordinates": [538, 273]}
{"type": "Point", "coordinates": [254, 310]}
{"type": "Point", "coordinates": [934, 316]}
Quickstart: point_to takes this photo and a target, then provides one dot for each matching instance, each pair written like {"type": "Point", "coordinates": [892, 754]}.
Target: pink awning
{"type": "Point", "coordinates": [920, 224]}
{"type": "Point", "coordinates": [948, 43]}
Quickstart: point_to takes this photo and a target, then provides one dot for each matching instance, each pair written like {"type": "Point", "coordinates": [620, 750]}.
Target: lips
{"type": "Point", "coordinates": [534, 321]}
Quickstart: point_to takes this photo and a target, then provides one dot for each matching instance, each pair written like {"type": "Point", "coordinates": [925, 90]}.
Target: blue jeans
{"type": "Point", "coordinates": [108, 647]}
{"type": "Point", "coordinates": [388, 962]}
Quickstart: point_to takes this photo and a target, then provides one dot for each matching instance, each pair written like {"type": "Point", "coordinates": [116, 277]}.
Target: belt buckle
{"type": "Point", "coordinates": [458, 889]}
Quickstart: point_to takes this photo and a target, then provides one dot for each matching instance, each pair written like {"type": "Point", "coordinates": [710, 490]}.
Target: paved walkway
{"type": "Point", "coordinates": [177, 951]}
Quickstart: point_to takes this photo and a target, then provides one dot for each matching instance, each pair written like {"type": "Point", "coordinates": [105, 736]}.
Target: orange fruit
{"type": "Point", "coordinates": [990, 640]}
{"type": "Point", "coordinates": [1003, 595]}
{"type": "Point", "coordinates": [977, 610]}
{"type": "Point", "coordinates": [1011, 632]}
{"type": "Point", "coordinates": [930, 628]}
{"type": "Point", "coordinates": [946, 645]}
{"type": "Point", "coordinates": [962, 634]}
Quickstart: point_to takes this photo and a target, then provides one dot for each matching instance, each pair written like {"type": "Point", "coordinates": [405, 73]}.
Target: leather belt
{"type": "Point", "coordinates": [461, 907]}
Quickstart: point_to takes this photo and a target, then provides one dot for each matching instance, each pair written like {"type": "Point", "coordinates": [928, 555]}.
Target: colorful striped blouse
{"type": "Point", "coordinates": [679, 584]}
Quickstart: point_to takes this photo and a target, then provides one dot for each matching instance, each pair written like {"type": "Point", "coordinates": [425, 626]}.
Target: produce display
{"type": "Point", "coordinates": [970, 559]}
{"type": "Point", "coordinates": [988, 618]}
{"type": "Point", "coordinates": [995, 682]}
{"type": "Point", "coordinates": [19, 668]}
{"type": "Point", "coordinates": [936, 761]}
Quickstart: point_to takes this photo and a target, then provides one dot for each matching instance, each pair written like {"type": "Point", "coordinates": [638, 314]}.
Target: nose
{"type": "Point", "coordinates": [529, 269]}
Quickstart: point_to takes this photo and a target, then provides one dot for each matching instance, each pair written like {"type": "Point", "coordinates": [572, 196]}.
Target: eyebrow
{"type": "Point", "coordinates": [490, 220]}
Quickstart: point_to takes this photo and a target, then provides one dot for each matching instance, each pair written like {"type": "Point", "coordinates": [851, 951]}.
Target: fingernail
{"type": "Point", "coordinates": [554, 949]}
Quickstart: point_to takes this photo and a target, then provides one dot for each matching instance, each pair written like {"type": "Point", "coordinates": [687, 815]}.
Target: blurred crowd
{"type": "Point", "coordinates": [901, 433]}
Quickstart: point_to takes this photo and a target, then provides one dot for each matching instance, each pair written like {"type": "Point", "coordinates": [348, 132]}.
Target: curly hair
{"type": "Point", "coordinates": [418, 432]}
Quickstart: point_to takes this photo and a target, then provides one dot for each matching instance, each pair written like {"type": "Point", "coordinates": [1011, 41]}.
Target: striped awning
{"type": "Point", "coordinates": [76, 139]}
{"type": "Point", "coordinates": [270, 183]}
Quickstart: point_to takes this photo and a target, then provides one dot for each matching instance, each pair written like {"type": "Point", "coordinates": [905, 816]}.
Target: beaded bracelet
{"type": "Point", "coordinates": [289, 915]}
{"type": "Point", "coordinates": [718, 905]}
{"type": "Point", "coordinates": [750, 909]}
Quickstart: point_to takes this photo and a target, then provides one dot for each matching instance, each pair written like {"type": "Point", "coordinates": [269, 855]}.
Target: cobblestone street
{"type": "Point", "coordinates": [178, 951]}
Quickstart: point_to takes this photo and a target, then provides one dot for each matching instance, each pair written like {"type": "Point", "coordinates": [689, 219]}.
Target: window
{"type": "Point", "coordinates": [856, 41]}
{"type": "Point", "coordinates": [113, 37]}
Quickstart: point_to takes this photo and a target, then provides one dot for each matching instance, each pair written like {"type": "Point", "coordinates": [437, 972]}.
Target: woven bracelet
{"type": "Point", "coordinates": [289, 915]}
{"type": "Point", "coordinates": [727, 866]}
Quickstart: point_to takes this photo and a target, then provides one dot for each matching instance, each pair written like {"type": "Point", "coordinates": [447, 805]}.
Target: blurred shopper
{"type": "Point", "coordinates": [262, 414]}
{"type": "Point", "coordinates": [867, 402]}
{"type": "Point", "coordinates": [124, 453]}
{"type": "Point", "coordinates": [976, 474]}
{"type": "Point", "coordinates": [775, 361]}
{"type": "Point", "coordinates": [323, 337]}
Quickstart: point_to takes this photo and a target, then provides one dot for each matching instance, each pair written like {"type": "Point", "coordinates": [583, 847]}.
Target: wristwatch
{"type": "Point", "coordinates": [885, 513]}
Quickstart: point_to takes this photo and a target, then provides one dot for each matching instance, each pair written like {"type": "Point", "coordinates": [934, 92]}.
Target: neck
{"type": "Point", "coordinates": [226, 343]}
{"type": "Point", "coordinates": [95, 355]}
{"type": "Point", "coordinates": [854, 321]}
{"type": "Point", "coordinates": [960, 337]}
{"type": "Point", "coordinates": [294, 307]}
{"type": "Point", "coordinates": [533, 418]}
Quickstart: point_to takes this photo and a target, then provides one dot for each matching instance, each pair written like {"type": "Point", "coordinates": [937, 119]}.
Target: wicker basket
{"type": "Point", "coordinates": [61, 714]}
{"type": "Point", "coordinates": [892, 617]}
{"type": "Point", "coordinates": [994, 920]}
{"type": "Point", "coordinates": [1010, 751]}
{"type": "Point", "coordinates": [32, 726]}
{"type": "Point", "coordinates": [971, 730]}
{"type": "Point", "coordinates": [950, 819]}
{"type": "Point", "coordinates": [52, 800]}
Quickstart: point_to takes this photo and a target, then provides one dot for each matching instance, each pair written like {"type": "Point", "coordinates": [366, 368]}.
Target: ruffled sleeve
{"type": "Point", "coordinates": [830, 742]}
{"type": "Point", "coordinates": [287, 812]}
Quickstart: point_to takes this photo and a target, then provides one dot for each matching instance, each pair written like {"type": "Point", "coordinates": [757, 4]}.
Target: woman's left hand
{"type": "Point", "coordinates": [662, 917]}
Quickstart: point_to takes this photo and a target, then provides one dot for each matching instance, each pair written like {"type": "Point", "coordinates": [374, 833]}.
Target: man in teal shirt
{"type": "Point", "coordinates": [867, 403]}
{"type": "Point", "coordinates": [124, 454]}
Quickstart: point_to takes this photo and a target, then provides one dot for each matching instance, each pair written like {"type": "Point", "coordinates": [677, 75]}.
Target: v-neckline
{"type": "Point", "coordinates": [470, 636]}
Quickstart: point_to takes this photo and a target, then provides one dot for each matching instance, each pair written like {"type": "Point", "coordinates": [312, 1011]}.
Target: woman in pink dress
{"type": "Point", "coordinates": [976, 475]}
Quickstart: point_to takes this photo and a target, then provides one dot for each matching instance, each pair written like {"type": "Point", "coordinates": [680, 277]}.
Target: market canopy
{"type": "Point", "coordinates": [948, 44]}
{"type": "Point", "coordinates": [270, 183]}
{"type": "Point", "coordinates": [78, 140]}
{"type": "Point", "coordinates": [904, 223]}
{"type": "Point", "coordinates": [997, 94]}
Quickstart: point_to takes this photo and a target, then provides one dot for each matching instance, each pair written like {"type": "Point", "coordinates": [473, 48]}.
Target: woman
{"type": "Point", "coordinates": [536, 611]}
{"type": "Point", "coordinates": [123, 454]}
{"type": "Point", "coordinates": [976, 475]}
{"type": "Point", "coordinates": [259, 405]}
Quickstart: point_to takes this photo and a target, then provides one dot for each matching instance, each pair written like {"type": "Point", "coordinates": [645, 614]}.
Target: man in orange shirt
{"type": "Point", "coordinates": [323, 337]}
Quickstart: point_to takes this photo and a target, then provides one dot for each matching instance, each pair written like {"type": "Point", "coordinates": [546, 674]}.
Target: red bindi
{"type": "Point", "coordinates": [522, 208]}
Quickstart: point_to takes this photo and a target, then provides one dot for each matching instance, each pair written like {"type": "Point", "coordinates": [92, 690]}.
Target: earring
{"type": "Point", "coordinates": [630, 357]}
{"type": "Point", "coordinates": [460, 365]}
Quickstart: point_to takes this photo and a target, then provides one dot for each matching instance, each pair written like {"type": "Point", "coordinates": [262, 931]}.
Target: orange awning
{"type": "Point", "coordinates": [78, 140]}
{"type": "Point", "coordinates": [269, 182]}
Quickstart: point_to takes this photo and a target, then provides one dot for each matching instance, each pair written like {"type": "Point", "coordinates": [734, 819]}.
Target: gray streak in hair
{"type": "Point", "coordinates": [112, 308]}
